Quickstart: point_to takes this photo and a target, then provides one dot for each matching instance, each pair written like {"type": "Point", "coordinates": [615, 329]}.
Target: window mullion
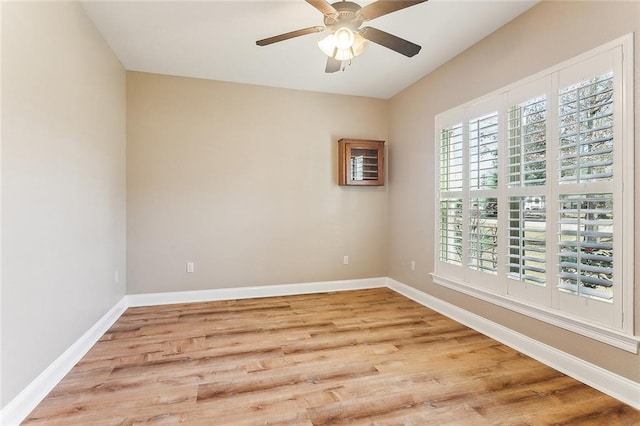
{"type": "Point", "coordinates": [465, 196]}
{"type": "Point", "coordinates": [503, 207]}
{"type": "Point", "coordinates": [553, 141]}
{"type": "Point", "coordinates": [623, 180]}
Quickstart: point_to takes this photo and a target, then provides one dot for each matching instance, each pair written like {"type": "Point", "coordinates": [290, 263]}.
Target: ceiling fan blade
{"type": "Point", "coordinates": [390, 41]}
{"type": "Point", "coordinates": [324, 7]}
{"type": "Point", "coordinates": [333, 65]}
{"type": "Point", "coordinates": [383, 7]}
{"type": "Point", "coordinates": [287, 36]}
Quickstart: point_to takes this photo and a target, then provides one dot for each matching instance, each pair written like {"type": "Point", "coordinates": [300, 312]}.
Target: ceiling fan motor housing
{"type": "Point", "coordinates": [347, 16]}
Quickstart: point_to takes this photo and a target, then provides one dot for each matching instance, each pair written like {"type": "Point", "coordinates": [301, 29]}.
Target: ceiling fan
{"type": "Point", "coordinates": [347, 40]}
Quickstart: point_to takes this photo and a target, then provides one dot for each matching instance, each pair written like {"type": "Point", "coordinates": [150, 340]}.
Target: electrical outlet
{"type": "Point", "coordinates": [190, 267]}
{"type": "Point", "coordinates": [116, 277]}
{"type": "Point", "coordinates": [345, 260]}
{"type": "Point", "coordinates": [413, 265]}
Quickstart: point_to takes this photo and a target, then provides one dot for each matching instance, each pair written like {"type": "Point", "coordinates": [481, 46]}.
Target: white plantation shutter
{"type": "Point", "coordinates": [451, 158]}
{"type": "Point", "coordinates": [535, 203]}
{"type": "Point", "coordinates": [526, 193]}
{"type": "Point", "coordinates": [483, 235]}
{"type": "Point", "coordinates": [526, 156]}
{"type": "Point", "coordinates": [451, 185]}
{"type": "Point", "coordinates": [587, 194]}
{"type": "Point", "coordinates": [483, 152]}
{"type": "Point", "coordinates": [451, 231]}
{"type": "Point", "coordinates": [586, 130]}
{"type": "Point", "coordinates": [586, 245]}
{"type": "Point", "coordinates": [527, 239]}
{"type": "Point", "coordinates": [482, 183]}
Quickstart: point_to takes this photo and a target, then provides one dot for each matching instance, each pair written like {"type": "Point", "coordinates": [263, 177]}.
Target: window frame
{"type": "Point", "coordinates": [544, 305]}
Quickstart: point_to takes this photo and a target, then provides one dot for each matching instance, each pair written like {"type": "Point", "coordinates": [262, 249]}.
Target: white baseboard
{"type": "Point", "coordinates": [150, 299]}
{"type": "Point", "coordinates": [21, 406]}
{"type": "Point", "coordinates": [605, 381]}
{"type": "Point", "coordinates": [617, 386]}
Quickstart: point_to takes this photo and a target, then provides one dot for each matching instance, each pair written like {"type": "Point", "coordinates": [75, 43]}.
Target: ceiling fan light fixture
{"type": "Point", "coordinates": [328, 45]}
{"type": "Point", "coordinates": [344, 38]}
{"type": "Point", "coordinates": [359, 45]}
{"type": "Point", "coordinates": [343, 54]}
{"type": "Point", "coordinates": [332, 47]}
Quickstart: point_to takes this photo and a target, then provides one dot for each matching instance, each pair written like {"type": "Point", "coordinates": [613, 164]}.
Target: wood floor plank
{"type": "Point", "coordinates": [356, 357]}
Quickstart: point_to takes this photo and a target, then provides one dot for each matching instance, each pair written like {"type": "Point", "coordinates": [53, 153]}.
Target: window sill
{"type": "Point", "coordinates": [602, 334]}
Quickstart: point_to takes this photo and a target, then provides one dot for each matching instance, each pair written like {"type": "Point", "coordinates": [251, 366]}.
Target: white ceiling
{"type": "Point", "coordinates": [216, 40]}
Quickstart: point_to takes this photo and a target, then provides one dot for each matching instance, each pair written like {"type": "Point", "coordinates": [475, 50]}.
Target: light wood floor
{"type": "Point", "coordinates": [356, 357]}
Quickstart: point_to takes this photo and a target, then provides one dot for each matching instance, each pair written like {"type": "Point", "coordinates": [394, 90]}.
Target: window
{"type": "Point", "coordinates": [585, 245]}
{"type": "Point", "coordinates": [535, 208]}
{"type": "Point", "coordinates": [451, 230]}
{"type": "Point", "coordinates": [526, 243]}
{"type": "Point", "coordinates": [526, 155]}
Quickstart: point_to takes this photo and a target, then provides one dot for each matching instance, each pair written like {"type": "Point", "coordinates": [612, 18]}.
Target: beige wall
{"type": "Point", "coordinates": [242, 181]}
{"type": "Point", "coordinates": [239, 179]}
{"type": "Point", "coordinates": [63, 184]}
{"type": "Point", "coordinates": [548, 34]}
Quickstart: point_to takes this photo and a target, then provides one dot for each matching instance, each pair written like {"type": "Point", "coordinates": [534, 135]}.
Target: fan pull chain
{"type": "Point", "coordinates": [344, 67]}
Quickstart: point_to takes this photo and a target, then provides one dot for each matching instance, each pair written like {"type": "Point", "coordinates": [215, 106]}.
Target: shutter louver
{"type": "Point", "coordinates": [586, 131]}
{"type": "Point", "coordinates": [483, 235]}
{"type": "Point", "coordinates": [483, 152]}
{"type": "Point", "coordinates": [451, 231]}
{"type": "Point", "coordinates": [451, 158]}
{"type": "Point", "coordinates": [527, 143]}
{"type": "Point", "coordinates": [585, 246]}
{"type": "Point", "coordinates": [527, 239]}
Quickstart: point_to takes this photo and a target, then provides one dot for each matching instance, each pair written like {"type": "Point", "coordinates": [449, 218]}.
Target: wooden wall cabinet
{"type": "Point", "coordinates": [360, 162]}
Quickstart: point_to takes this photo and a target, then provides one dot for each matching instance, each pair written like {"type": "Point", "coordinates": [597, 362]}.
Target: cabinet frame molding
{"type": "Point", "coordinates": [371, 162]}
